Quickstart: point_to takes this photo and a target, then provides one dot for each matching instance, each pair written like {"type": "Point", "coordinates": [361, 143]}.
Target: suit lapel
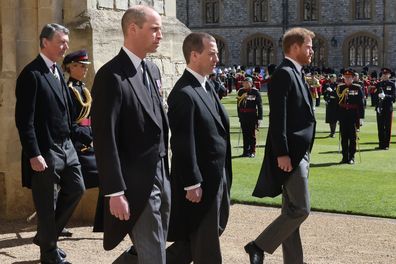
{"type": "Point", "coordinates": [52, 81]}
{"type": "Point", "coordinates": [302, 85]}
{"type": "Point", "coordinates": [137, 85]}
{"type": "Point", "coordinates": [156, 83]}
{"type": "Point", "coordinates": [204, 96]}
{"type": "Point", "coordinates": [221, 111]}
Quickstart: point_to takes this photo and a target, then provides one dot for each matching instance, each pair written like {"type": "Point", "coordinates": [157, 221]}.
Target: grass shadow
{"type": "Point", "coordinates": [326, 164]}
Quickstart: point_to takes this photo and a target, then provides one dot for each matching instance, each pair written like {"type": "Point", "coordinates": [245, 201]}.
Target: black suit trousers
{"type": "Point", "coordinates": [384, 125]}
{"type": "Point", "coordinates": [63, 171]}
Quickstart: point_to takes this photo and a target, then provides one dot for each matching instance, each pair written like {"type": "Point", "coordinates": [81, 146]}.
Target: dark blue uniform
{"type": "Point", "coordinates": [331, 99]}
{"type": "Point", "coordinates": [250, 110]}
{"type": "Point", "coordinates": [384, 109]}
{"type": "Point", "coordinates": [351, 110]}
{"type": "Point", "coordinates": [82, 133]}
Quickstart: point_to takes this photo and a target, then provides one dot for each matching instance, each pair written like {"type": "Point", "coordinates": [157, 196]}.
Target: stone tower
{"type": "Point", "coordinates": [94, 25]}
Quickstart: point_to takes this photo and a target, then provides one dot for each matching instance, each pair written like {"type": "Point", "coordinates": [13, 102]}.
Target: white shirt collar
{"type": "Point", "coordinates": [296, 64]}
{"type": "Point", "coordinates": [47, 61]}
{"type": "Point", "coordinates": [135, 59]}
{"type": "Point", "coordinates": [201, 79]}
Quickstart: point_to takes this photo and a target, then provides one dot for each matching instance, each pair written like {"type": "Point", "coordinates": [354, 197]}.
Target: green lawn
{"type": "Point", "coordinates": [366, 188]}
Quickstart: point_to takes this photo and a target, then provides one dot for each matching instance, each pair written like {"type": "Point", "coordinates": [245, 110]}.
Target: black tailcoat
{"type": "Point", "coordinates": [291, 127]}
{"type": "Point", "coordinates": [201, 151]}
{"type": "Point", "coordinates": [126, 139]}
{"type": "Point", "coordinates": [37, 128]}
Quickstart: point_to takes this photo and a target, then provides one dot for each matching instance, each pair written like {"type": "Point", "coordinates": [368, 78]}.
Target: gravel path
{"type": "Point", "coordinates": [327, 238]}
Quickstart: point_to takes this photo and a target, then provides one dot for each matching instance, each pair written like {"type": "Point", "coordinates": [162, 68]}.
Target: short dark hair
{"type": "Point", "coordinates": [194, 42]}
{"type": "Point", "coordinates": [49, 30]}
{"type": "Point", "coordinates": [295, 35]}
{"type": "Point", "coordinates": [136, 15]}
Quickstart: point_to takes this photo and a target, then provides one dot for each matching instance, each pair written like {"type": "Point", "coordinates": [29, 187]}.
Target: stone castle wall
{"type": "Point", "coordinates": [335, 20]}
{"type": "Point", "coordinates": [94, 25]}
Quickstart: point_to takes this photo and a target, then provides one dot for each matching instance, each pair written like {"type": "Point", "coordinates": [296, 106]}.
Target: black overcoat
{"type": "Point", "coordinates": [201, 150]}
{"type": "Point", "coordinates": [126, 139]}
{"type": "Point", "coordinates": [38, 93]}
{"type": "Point", "coordinates": [291, 127]}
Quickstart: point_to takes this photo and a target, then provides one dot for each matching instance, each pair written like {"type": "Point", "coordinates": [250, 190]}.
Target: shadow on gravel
{"type": "Point", "coordinates": [19, 262]}
{"type": "Point", "coordinates": [27, 262]}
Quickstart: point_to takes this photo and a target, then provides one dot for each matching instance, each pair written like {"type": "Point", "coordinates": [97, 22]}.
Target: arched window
{"type": "Point", "coordinates": [319, 57]}
{"type": "Point", "coordinates": [363, 9]}
{"type": "Point", "coordinates": [221, 47]}
{"type": "Point", "coordinates": [259, 51]}
{"type": "Point", "coordinates": [362, 51]}
{"type": "Point", "coordinates": [212, 11]}
{"type": "Point", "coordinates": [260, 10]}
{"type": "Point", "coordinates": [310, 10]}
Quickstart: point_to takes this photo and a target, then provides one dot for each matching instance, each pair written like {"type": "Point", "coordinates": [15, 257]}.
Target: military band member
{"type": "Point", "coordinates": [239, 77]}
{"type": "Point", "coordinates": [386, 94]}
{"type": "Point", "coordinates": [250, 113]}
{"type": "Point", "coordinates": [318, 83]}
{"type": "Point", "coordinates": [258, 78]}
{"type": "Point", "coordinates": [331, 99]}
{"type": "Point", "coordinates": [351, 113]}
{"type": "Point", "coordinates": [314, 85]}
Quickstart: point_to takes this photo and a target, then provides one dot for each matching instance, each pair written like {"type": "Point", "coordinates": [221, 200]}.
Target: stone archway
{"type": "Point", "coordinates": [362, 49]}
{"type": "Point", "coordinates": [258, 50]}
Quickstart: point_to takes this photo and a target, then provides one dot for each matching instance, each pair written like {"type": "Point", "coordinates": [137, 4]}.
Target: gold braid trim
{"type": "Point", "coordinates": [86, 106]}
{"type": "Point", "coordinates": [241, 99]}
{"type": "Point", "coordinates": [342, 95]}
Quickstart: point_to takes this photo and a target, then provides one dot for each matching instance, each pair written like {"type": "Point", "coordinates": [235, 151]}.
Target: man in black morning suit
{"type": "Point", "coordinates": [201, 159]}
{"type": "Point", "coordinates": [130, 131]}
{"type": "Point", "coordinates": [289, 141]}
{"type": "Point", "coordinates": [49, 160]}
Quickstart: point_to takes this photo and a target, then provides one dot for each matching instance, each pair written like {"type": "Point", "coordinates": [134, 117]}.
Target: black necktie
{"type": "Point", "coordinates": [53, 70]}
{"type": "Point", "coordinates": [210, 94]}
{"type": "Point", "coordinates": [145, 76]}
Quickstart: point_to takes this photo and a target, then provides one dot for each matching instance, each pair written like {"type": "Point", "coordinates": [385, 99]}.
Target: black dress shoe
{"type": "Point", "coordinates": [63, 261]}
{"type": "Point", "coordinates": [37, 242]}
{"type": "Point", "coordinates": [256, 255]}
{"type": "Point", "coordinates": [344, 161]}
{"type": "Point", "coordinates": [53, 257]}
{"type": "Point", "coordinates": [62, 253]}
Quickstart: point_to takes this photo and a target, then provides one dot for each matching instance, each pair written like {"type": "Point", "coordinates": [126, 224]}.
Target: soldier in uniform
{"type": "Point", "coordinates": [373, 88]}
{"type": "Point", "coordinates": [330, 97]}
{"type": "Point", "coordinates": [75, 64]}
{"type": "Point", "coordinates": [314, 85]}
{"type": "Point", "coordinates": [250, 113]}
{"type": "Point", "coordinates": [386, 94]}
{"type": "Point", "coordinates": [358, 81]}
{"type": "Point", "coordinates": [218, 85]}
{"type": "Point", "coordinates": [351, 113]}
{"type": "Point", "coordinates": [258, 78]}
